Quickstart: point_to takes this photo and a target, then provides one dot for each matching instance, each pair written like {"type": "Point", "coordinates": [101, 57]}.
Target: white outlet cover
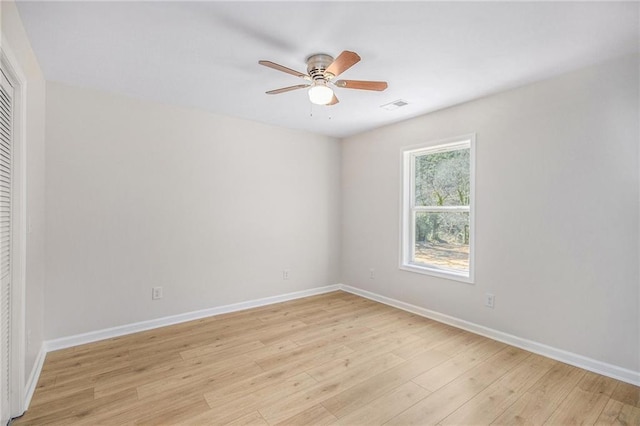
{"type": "Point", "coordinates": [156, 293]}
{"type": "Point", "coordinates": [489, 300]}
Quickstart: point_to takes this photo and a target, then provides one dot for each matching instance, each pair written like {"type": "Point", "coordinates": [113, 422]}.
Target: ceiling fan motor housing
{"type": "Point", "coordinates": [317, 65]}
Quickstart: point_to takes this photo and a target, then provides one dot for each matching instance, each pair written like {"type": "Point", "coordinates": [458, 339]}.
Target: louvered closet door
{"type": "Point", "coordinates": [6, 122]}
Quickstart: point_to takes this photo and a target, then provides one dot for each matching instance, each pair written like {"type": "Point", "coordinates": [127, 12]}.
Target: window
{"type": "Point", "coordinates": [437, 209]}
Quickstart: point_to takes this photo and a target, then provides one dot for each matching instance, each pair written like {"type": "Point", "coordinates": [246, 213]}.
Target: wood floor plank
{"type": "Point", "coordinates": [444, 340]}
{"type": "Point", "coordinates": [586, 401]}
{"type": "Point", "coordinates": [362, 316]}
{"type": "Point", "coordinates": [441, 403]}
{"type": "Point", "coordinates": [539, 403]}
{"type": "Point", "coordinates": [85, 360]}
{"type": "Point", "coordinates": [238, 347]}
{"type": "Point", "coordinates": [314, 416]}
{"type": "Point", "coordinates": [173, 406]}
{"type": "Point", "coordinates": [325, 359]}
{"type": "Point", "coordinates": [305, 354]}
{"type": "Point", "coordinates": [80, 410]}
{"type": "Point", "coordinates": [460, 341]}
{"type": "Point", "coordinates": [363, 393]}
{"type": "Point", "coordinates": [94, 367]}
{"type": "Point", "coordinates": [172, 413]}
{"type": "Point", "coordinates": [579, 407]}
{"type": "Point", "coordinates": [399, 338]}
{"type": "Point", "coordinates": [271, 350]}
{"type": "Point", "coordinates": [167, 338]}
{"type": "Point", "coordinates": [64, 389]}
{"type": "Point", "coordinates": [456, 366]}
{"type": "Point", "coordinates": [150, 375]}
{"type": "Point", "coordinates": [251, 419]}
{"type": "Point", "coordinates": [597, 383]}
{"type": "Point", "coordinates": [486, 406]}
{"type": "Point", "coordinates": [410, 322]}
{"type": "Point", "coordinates": [340, 366]}
{"type": "Point", "coordinates": [202, 377]}
{"type": "Point", "coordinates": [618, 413]}
{"type": "Point", "coordinates": [286, 311]}
{"type": "Point", "coordinates": [226, 407]}
{"type": "Point", "coordinates": [340, 333]}
{"type": "Point", "coordinates": [43, 407]}
{"type": "Point", "coordinates": [272, 376]}
{"type": "Point", "coordinates": [44, 387]}
{"type": "Point", "coordinates": [299, 402]}
{"type": "Point", "coordinates": [219, 331]}
{"type": "Point", "coordinates": [380, 410]}
{"type": "Point", "coordinates": [627, 394]}
{"type": "Point", "coordinates": [383, 314]}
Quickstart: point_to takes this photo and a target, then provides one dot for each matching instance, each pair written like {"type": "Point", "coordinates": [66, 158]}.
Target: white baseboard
{"type": "Point", "coordinates": [609, 370]}
{"type": "Point", "coordinates": [32, 382]}
{"type": "Point", "coordinates": [108, 333]}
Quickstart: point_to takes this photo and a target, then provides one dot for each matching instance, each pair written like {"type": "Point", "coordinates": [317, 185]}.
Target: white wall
{"type": "Point", "coordinates": [211, 208]}
{"type": "Point", "coordinates": [15, 38]}
{"type": "Point", "coordinates": [556, 212]}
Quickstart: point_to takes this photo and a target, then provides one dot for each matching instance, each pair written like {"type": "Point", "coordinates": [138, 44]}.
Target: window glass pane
{"type": "Point", "coordinates": [442, 240]}
{"type": "Point", "coordinates": [442, 179]}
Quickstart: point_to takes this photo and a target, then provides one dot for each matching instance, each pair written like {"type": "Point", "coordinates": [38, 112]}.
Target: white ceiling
{"type": "Point", "coordinates": [434, 55]}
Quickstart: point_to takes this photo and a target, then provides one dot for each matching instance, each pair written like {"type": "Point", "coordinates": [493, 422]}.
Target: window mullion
{"type": "Point", "coordinates": [442, 209]}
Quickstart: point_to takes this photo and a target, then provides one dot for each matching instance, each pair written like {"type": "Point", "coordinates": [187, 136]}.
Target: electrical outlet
{"type": "Point", "coordinates": [372, 274]}
{"type": "Point", "coordinates": [156, 293]}
{"type": "Point", "coordinates": [285, 274]}
{"type": "Point", "coordinates": [489, 300]}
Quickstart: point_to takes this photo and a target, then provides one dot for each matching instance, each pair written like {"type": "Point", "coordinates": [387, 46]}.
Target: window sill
{"type": "Point", "coordinates": [440, 273]}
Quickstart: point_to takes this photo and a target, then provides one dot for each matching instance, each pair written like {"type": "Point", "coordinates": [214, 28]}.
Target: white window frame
{"type": "Point", "coordinates": [407, 209]}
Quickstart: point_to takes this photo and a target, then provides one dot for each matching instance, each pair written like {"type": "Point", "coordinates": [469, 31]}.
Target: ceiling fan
{"type": "Point", "coordinates": [322, 69]}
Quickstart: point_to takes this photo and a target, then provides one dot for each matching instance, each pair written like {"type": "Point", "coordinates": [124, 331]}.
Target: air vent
{"type": "Point", "coordinates": [394, 105]}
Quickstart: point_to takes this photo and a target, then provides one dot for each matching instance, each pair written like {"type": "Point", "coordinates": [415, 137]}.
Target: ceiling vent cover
{"type": "Point", "coordinates": [394, 105]}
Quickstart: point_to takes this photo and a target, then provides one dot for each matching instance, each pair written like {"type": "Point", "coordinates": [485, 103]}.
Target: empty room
{"type": "Point", "coordinates": [305, 213]}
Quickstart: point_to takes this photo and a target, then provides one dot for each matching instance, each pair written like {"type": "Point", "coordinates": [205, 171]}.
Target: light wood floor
{"type": "Point", "coordinates": [329, 359]}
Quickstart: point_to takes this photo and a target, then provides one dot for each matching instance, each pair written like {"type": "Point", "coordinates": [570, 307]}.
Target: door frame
{"type": "Point", "coordinates": [16, 76]}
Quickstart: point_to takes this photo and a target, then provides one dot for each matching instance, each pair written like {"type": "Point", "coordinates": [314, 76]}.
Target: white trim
{"type": "Point", "coordinates": [107, 333]}
{"type": "Point", "coordinates": [435, 272]}
{"type": "Point", "coordinates": [32, 382]}
{"type": "Point", "coordinates": [590, 364]}
{"type": "Point", "coordinates": [14, 73]}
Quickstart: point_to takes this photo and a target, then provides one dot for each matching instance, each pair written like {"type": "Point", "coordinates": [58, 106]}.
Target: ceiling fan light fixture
{"type": "Point", "coordinates": [320, 94]}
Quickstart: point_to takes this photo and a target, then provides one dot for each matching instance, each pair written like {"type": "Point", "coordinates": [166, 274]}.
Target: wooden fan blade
{"type": "Point", "coordinates": [287, 89]}
{"type": "Point", "coordinates": [343, 62]}
{"type": "Point", "coordinates": [333, 101]}
{"type": "Point", "coordinates": [282, 68]}
{"type": "Point", "coordinates": [362, 85]}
